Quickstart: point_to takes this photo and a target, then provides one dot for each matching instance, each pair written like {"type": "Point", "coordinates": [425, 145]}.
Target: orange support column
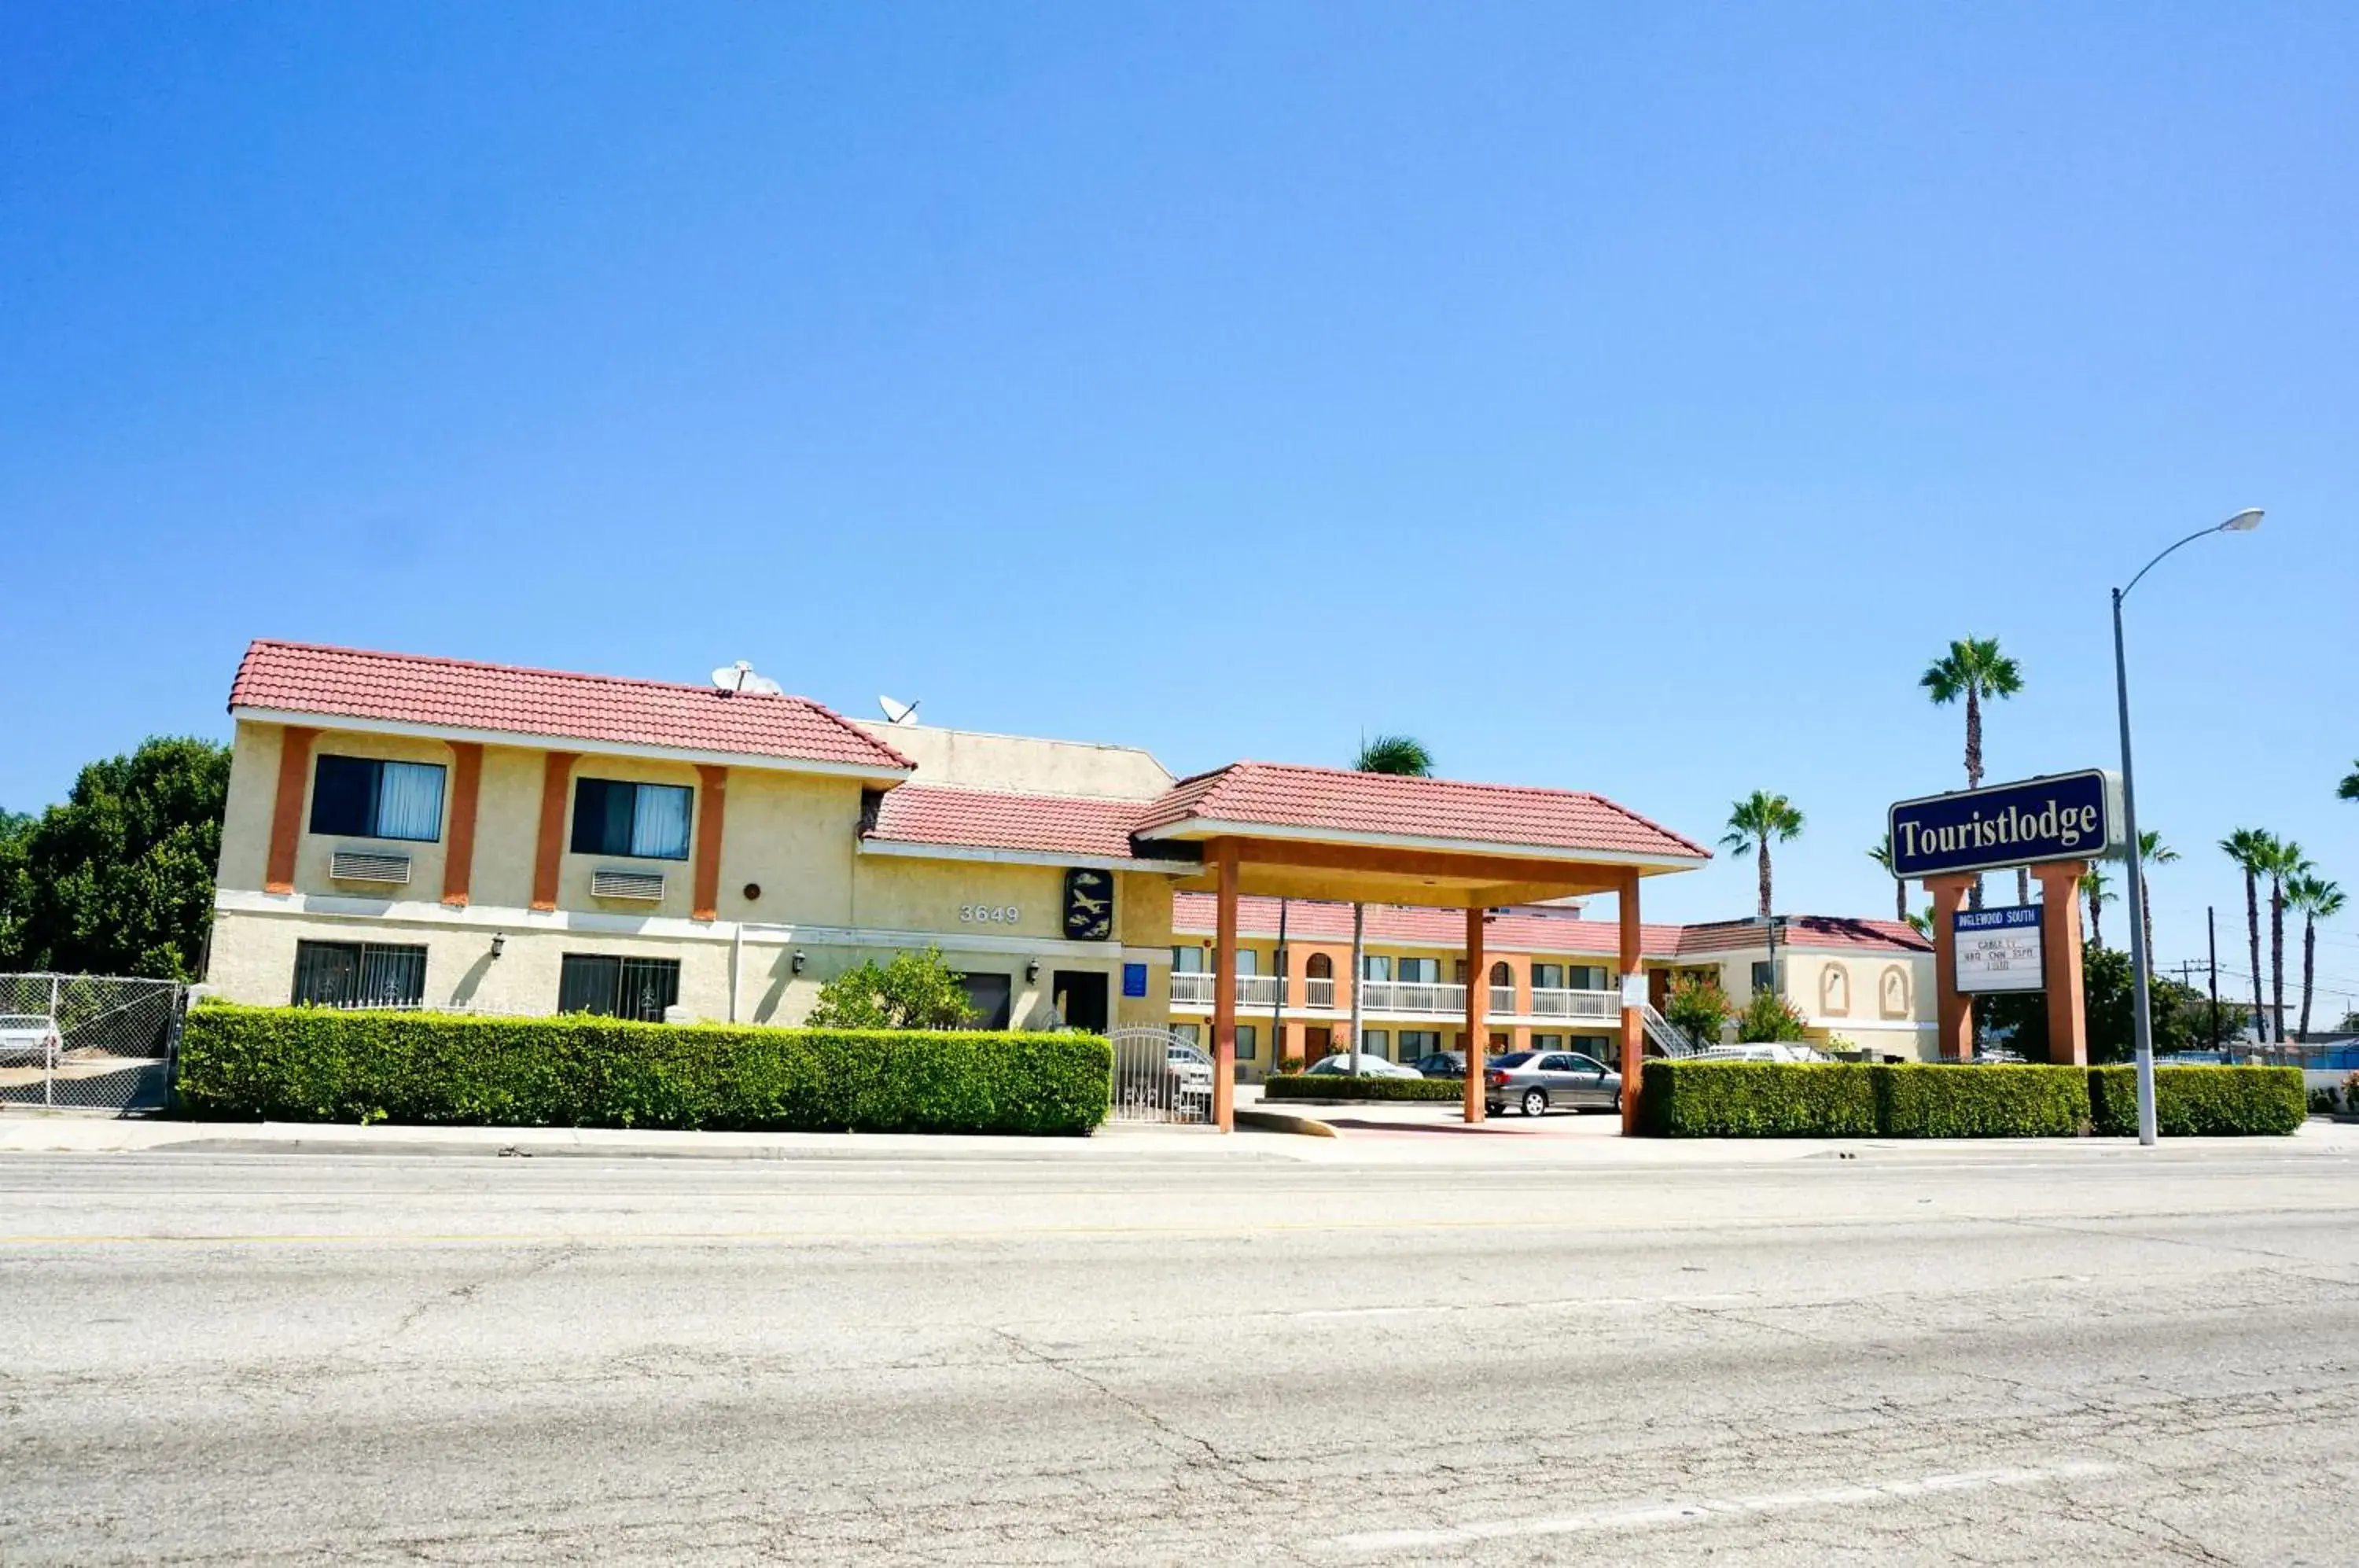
{"type": "Point", "coordinates": [1478, 994]}
{"type": "Point", "coordinates": [1634, 1022]}
{"type": "Point", "coordinates": [556, 777]}
{"type": "Point", "coordinates": [1957, 1015]}
{"type": "Point", "coordinates": [466, 785]}
{"type": "Point", "coordinates": [1224, 989]}
{"type": "Point", "coordinates": [712, 801]}
{"type": "Point", "coordinates": [2059, 961]}
{"type": "Point", "coordinates": [287, 810]}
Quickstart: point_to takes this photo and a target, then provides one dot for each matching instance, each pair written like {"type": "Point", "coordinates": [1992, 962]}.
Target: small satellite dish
{"type": "Point", "coordinates": [898, 712]}
{"type": "Point", "coordinates": [740, 677]}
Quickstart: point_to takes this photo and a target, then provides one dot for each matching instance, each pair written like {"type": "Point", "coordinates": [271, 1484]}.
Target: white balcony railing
{"type": "Point", "coordinates": [1422, 999]}
{"type": "Point", "coordinates": [1597, 1007]}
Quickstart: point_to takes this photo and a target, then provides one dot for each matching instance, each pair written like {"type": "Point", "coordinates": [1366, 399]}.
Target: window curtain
{"type": "Point", "coordinates": [659, 826]}
{"type": "Point", "coordinates": [410, 801]}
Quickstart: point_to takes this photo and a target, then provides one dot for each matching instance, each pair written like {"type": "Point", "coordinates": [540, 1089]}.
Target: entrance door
{"type": "Point", "coordinates": [1318, 1039]}
{"type": "Point", "coordinates": [1080, 995]}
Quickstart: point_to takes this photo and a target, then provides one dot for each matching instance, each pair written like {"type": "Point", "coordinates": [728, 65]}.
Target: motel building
{"type": "Point", "coordinates": [410, 832]}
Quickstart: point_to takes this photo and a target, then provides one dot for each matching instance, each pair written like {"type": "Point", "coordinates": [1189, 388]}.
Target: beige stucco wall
{"type": "Point", "coordinates": [253, 791]}
{"type": "Point", "coordinates": [971, 759]}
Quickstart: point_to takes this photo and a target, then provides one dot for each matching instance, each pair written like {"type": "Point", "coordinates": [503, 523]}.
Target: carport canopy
{"type": "Point", "coordinates": [1287, 830]}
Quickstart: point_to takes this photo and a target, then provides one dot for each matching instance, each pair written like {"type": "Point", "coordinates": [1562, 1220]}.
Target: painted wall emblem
{"type": "Point", "coordinates": [1089, 905]}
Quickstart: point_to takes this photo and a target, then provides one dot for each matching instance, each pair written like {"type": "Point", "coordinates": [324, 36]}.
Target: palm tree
{"type": "Point", "coordinates": [2318, 900]}
{"type": "Point", "coordinates": [2093, 889]}
{"type": "Point", "coordinates": [1402, 758]}
{"type": "Point", "coordinates": [2152, 851]}
{"type": "Point", "coordinates": [2250, 849]}
{"type": "Point", "coordinates": [1881, 853]}
{"type": "Point", "coordinates": [1753, 823]}
{"type": "Point", "coordinates": [1974, 669]}
{"type": "Point", "coordinates": [2284, 865]}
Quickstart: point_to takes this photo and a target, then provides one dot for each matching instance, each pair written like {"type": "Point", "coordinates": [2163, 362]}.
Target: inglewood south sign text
{"type": "Point", "coordinates": [2067, 816]}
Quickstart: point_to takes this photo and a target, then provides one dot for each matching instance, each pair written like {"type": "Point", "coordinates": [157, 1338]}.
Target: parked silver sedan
{"type": "Point", "coordinates": [1536, 1081]}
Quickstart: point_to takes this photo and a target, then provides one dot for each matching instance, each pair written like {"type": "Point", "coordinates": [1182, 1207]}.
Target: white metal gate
{"type": "Point", "coordinates": [95, 1042]}
{"type": "Point", "coordinates": [1158, 1076]}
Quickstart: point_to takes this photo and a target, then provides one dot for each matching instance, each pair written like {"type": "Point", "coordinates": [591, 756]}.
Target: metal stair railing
{"type": "Point", "coordinates": [1663, 1036]}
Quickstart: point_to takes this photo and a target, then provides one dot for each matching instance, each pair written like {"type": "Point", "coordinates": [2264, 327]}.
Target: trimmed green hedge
{"type": "Point", "coordinates": [1757, 1099]}
{"type": "Point", "coordinates": [2200, 1102]}
{"type": "Point", "coordinates": [1772, 1099]}
{"type": "Point", "coordinates": [1933, 1100]}
{"type": "Point", "coordinates": [1341, 1086]}
{"type": "Point", "coordinates": [317, 1064]}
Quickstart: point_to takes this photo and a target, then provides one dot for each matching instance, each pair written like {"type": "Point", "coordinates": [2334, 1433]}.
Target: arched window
{"type": "Point", "coordinates": [1502, 975]}
{"type": "Point", "coordinates": [1320, 967]}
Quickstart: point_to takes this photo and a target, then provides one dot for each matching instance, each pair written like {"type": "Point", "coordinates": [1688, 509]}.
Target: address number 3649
{"type": "Point", "coordinates": [992, 914]}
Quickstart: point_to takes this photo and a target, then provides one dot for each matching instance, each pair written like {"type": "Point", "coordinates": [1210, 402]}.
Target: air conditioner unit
{"type": "Point", "coordinates": [647, 886]}
{"type": "Point", "coordinates": [368, 866]}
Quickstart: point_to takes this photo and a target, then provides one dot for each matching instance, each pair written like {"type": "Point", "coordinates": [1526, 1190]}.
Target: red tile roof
{"type": "Point", "coordinates": [1310, 920]}
{"type": "Point", "coordinates": [548, 704]}
{"type": "Point", "coordinates": [1055, 824]}
{"type": "Point", "coordinates": [1288, 795]}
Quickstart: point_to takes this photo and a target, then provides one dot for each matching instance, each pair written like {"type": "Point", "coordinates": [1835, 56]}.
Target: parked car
{"type": "Point", "coordinates": [1762, 1050]}
{"type": "Point", "coordinates": [1190, 1071]}
{"type": "Point", "coordinates": [1440, 1064]}
{"type": "Point", "coordinates": [1339, 1065]}
{"type": "Point", "coordinates": [28, 1037]}
{"type": "Point", "coordinates": [1535, 1081]}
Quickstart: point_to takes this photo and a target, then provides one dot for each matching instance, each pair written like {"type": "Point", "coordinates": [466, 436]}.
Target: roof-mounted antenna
{"type": "Point", "coordinates": [740, 677]}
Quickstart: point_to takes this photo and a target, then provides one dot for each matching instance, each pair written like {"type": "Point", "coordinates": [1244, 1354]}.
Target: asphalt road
{"type": "Point", "coordinates": [2034, 1356]}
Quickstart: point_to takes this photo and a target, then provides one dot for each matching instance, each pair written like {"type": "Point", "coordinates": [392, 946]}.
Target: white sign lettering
{"type": "Point", "coordinates": [990, 914]}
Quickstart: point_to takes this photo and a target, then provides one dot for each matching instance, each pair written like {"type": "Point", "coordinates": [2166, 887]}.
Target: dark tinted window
{"type": "Point", "coordinates": [1587, 1064]}
{"type": "Point", "coordinates": [614, 987]}
{"type": "Point", "coordinates": [991, 997]}
{"type": "Point", "coordinates": [358, 975]}
{"type": "Point", "coordinates": [1513, 1059]}
{"type": "Point", "coordinates": [343, 795]}
{"type": "Point", "coordinates": [648, 820]}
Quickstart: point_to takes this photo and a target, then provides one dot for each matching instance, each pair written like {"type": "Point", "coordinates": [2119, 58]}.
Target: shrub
{"type": "Point", "coordinates": [915, 990]}
{"type": "Point", "coordinates": [1341, 1086]}
{"type": "Point", "coordinates": [1757, 1099]}
{"type": "Point", "coordinates": [1698, 1008]}
{"type": "Point", "coordinates": [2200, 1102]}
{"type": "Point", "coordinates": [1768, 1016]}
{"type": "Point", "coordinates": [1955, 1100]}
{"type": "Point", "coordinates": [314, 1064]}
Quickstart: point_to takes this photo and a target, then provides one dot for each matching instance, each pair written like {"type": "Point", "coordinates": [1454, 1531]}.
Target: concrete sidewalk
{"type": "Point", "coordinates": [1368, 1134]}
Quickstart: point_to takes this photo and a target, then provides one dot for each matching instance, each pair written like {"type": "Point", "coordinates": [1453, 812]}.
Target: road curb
{"type": "Point", "coordinates": [1278, 1121]}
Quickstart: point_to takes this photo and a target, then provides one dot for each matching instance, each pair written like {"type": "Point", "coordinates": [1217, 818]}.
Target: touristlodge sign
{"type": "Point", "coordinates": [2066, 816]}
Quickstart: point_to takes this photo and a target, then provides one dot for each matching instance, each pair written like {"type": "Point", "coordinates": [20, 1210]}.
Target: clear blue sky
{"type": "Point", "coordinates": [1631, 398]}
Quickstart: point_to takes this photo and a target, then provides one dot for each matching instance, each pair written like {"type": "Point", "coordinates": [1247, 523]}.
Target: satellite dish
{"type": "Point", "coordinates": [740, 677]}
{"type": "Point", "coordinates": [898, 712]}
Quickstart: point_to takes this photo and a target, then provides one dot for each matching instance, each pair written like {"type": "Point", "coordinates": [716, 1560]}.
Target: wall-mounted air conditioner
{"type": "Point", "coordinates": [368, 866]}
{"type": "Point", "coordinates": [647, 886]}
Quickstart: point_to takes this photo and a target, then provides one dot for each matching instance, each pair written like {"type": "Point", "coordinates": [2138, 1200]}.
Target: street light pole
{"type": "Point", "coordinates": [2141, 1018]}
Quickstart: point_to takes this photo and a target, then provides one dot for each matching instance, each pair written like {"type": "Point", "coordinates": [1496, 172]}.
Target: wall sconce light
{"type": "Point", "coordinates": [798, 961]}
{"type": "Point", "coordinates": [499, 943]}
{"type": "Point", "coordinates": [1032, 969]}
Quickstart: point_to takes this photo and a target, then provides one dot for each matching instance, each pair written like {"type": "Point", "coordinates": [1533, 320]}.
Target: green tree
{"type": "Point", "coordinates": [2096, 894]}
{"type": "Point", "coordinates": [2285, 862]}
{"type": "Point", "coordinates": [1400, 757]}
{"type": "Point", "coordinates": [1881, 853]}
{"type": "Point", "coordinates": [1753, 823]}
{"type": "Point", "coordinates": [2250, 849]}
{"type": "Point", "coordinates": [914, 991]}
{"type": "Point", "coordinates": [2152, 851]}
{"type": "Point", "coordinates": [119, 879]}
{"type": "Point", "coordinates": [1973, 668]}
{"type": "Point", "coordinates": [1768, 1016]}
{"type": "Point", "coordinates": [2318, 900]}
{"type": "Point", "coordinates": [2349, 789]}
{"type": "Point", "coordinates": [2180, 1015]}
{"type": "Point", "coordinates": [1698, 1008]}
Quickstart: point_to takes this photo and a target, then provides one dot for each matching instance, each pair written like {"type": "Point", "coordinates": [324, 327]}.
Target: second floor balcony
{"type": "Point", "coordinates": [1408, 998]}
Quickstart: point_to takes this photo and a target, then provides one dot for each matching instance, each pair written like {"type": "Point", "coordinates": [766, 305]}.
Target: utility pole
{"type": "Point", "coordinates": [2211, 939]}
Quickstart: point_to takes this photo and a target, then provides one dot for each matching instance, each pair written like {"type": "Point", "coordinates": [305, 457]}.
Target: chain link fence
{"type": "Point", "coordinates": [87, 1041]}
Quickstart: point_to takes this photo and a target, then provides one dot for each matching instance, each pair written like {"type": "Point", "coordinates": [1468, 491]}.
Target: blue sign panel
{"type": "Point", "coordinates": [1133, 979]}
{"type": "Point", "coordinates": [2069, 816]}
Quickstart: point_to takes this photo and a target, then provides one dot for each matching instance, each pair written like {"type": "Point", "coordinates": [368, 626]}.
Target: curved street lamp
{"type": "Point", "coordinates": [2141, 1018]}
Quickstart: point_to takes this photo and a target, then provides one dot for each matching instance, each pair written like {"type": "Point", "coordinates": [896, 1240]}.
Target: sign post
{"type": "Point", "coordinates": [2056, 824]}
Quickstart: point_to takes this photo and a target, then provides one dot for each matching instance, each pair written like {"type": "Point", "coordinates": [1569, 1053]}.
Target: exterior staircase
{"type": "Point", "coordinates": [1662, 1039]}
